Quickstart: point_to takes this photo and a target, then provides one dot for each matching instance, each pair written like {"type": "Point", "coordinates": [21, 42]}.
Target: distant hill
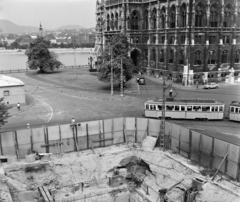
{"type": "Point", "coordinates": [8, 27]}
{"type": "Point", "coordinates": [68, 27]}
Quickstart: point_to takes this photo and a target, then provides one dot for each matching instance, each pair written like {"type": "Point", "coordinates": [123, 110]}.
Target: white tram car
{"type": "Point", "coordinates": [234, 111]}
{"type": "Point", "coordinates": [199, 109]}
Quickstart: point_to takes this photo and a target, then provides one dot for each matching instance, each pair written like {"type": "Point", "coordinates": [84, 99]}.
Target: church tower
{"type": "Point", "coordinates": [40, 30]}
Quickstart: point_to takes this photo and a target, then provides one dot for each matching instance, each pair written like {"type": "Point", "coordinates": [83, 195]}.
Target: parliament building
{"type": "Point", "coordinates": [203, 35]}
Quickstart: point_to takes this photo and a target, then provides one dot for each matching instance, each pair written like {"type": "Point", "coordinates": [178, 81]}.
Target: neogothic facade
{"type": "Point", "coordinates": [168, 34]}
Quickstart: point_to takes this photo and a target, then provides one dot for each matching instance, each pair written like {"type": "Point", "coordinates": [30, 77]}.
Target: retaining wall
{"type": "Point", "coordinates": [203, 149]}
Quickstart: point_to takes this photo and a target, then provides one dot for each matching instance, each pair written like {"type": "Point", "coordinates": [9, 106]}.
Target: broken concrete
{"type": "Point", "coordinates": [65, 174]}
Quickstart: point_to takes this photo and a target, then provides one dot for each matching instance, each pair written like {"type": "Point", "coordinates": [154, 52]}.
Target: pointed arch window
{"type": "Point", "coordinates": [146, 19]}
{"type": "Point", "coordinates": [197, 58]}
{"type": "Point", "coordinates": [237, 56]}
{"type": "Point", "coordinates": [162, 56]}
{"type": "Point", "coordinates": [163, 17]}
{"type": "Point", "coordinates": [154, 19]}
{"type": "Point", "coordinates": [171, 56]}
{"type": "Point", "coordinates": [228, 16]}
{"type": "Point", "coordinates": [153, 55]}
{"type": "Point", "coordinates": [108, 22]}
{"type": "Point", "coordinates": [112, 22]}
{"type": "Point", "coordinates": [224, 56]}
{"type": "Point", "coordinates": [134, 20]}
{"type": "Point", "coordinates": [214, 16]}
{"type": "Point", "coordinates": [116, 21]}
{"type": "Point", "coordinates": [238, 18]}
{"type": "Point", "coordinates": [173, 17]}
{"type": "Point", "coordinates": [199, 15]}
{"type": "Point", "coordinates": [211, 57]}
{"type": "Point", "coordinates": [183, 15]}
{"type": "Point", "coordinates": [181, 57]}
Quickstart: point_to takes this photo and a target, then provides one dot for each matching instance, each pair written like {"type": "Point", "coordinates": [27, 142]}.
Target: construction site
{"type": "Point", "coordinates": [121, 159]}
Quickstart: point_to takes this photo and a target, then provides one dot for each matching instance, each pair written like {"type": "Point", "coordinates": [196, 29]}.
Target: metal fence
{"type": "Point", "coordinates": [33, 70]}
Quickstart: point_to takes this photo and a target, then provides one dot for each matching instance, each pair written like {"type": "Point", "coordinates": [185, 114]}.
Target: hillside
{"type": "Point", "coordinates": [7, 26]}
{"type": "Point", "coordinates": [69, 27]}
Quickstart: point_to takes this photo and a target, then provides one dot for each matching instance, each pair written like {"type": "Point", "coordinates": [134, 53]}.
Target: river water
{"type": "Point", "coordinates": [17, 60]}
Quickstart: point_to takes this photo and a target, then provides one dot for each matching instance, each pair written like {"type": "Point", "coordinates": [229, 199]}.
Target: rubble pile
{"type": "Point", "coordinates": [120, 172]}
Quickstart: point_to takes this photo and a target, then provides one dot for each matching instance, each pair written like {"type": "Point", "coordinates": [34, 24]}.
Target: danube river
{"type": "Point", "coordinates": [17, 60]}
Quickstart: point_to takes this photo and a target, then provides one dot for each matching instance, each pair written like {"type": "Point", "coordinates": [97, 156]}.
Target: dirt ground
{"type": "Point", "coordinates": [63, 172]}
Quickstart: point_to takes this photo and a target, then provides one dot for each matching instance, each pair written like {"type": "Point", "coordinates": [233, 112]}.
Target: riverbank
{"type": "Point", "coordinates": [56, 50]}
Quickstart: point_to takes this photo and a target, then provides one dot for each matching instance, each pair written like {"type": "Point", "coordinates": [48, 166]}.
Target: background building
{"type": "Point", "coordinates": [171, 34]}
{"type": "Point", "coordinates": [12, 90]}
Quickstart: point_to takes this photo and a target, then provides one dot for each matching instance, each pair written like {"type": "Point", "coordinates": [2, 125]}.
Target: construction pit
{"type": "Point", "coordinates": [125, 172]}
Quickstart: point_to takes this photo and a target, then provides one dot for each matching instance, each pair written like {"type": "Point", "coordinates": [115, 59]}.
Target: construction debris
{"type": "Point", "coordinates": [111, 173]}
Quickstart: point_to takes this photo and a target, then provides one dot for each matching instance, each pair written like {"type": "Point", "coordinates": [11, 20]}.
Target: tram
{"type": "Point", "coordinates": [234, 111]}
{"type": "Point", "coordinates": [198, 109]}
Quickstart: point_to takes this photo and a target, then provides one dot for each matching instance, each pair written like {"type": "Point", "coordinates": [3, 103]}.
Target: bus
{"type": "Point", "coordinates": [198, 109]}
{"type": "Point", "coordinates": [234, 111]}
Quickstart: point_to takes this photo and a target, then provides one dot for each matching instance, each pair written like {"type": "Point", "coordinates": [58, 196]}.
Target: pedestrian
{"type": "Point", "coordinates": [73, 121]}
{"type": "Point", "coordinates": [170, 92]}
{"type": "Point", "coordinates": [18, 106]}
{"type": "Point", "coordinates": [197, 84]}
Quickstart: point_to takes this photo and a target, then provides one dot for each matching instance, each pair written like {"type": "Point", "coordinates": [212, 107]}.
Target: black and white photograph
{"type": "Point", "coordinates": [119, 100]}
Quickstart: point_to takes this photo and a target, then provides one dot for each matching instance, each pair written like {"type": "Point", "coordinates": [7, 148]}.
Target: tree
{"type": "Point", "coordinates": [14, 45]}
{"type": "Point", "coordinates": [113, 53]}
{"type": "Point", "coordinates": [3, 112]}
{"type": "Point", "coordinates": [39, 56]}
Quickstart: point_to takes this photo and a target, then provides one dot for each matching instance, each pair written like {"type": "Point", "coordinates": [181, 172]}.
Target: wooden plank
{"type": "Point", "coordinates": [179, 141]}
{"type": "Point", "coordinates": [87, 136]}
{"type": "Point", "coordinates": [46, 141]}
{"type": "Point", "coordinates": [212, 153]}
{"type": "Point", "coordinates": [238, 167]}
{"type": "Point", "coordinates": [48, 194]}
{"type": "Point", "coordinates": [124, 133]}
{"type": "Point", "coordinates": [61, 145]}
{"type": "Point", "coordinates": [1, 149]}
{"type": "Point", "coordinates": [42, 192]}
{"type": "Point", "coordinates": [135, 129]}
{"type": "Point", "coordinates": [102, 140]}
{"type": "Point", "coordinates": [51, 145]}
{"type": "Point", "coordinates": [226, 164]}
{"type": "Point", "coordinates": [103, 132]}
{"type": "Point", "coordinates": [112, 130]}
{"type": "Point", "coordinates": [190, 145]}
{"type": "Point", "coordinates": [220, 166]}
{"type": "Point", "coordinates": [31, 139]}
{"type": "Point", "coordinates": [16, 144]}
{"type": "Point", "coordinates": [200, 149]}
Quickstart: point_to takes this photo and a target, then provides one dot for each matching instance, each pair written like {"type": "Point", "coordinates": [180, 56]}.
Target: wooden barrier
{"type": "Point", "coordinates": [201, 148]}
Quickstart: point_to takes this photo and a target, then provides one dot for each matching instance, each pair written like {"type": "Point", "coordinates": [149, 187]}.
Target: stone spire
{"type": "Point", "coordinates": [40, 30]}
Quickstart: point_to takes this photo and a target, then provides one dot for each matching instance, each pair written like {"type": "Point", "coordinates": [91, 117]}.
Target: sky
{"type": "Point", "coordinates": [51, 13]}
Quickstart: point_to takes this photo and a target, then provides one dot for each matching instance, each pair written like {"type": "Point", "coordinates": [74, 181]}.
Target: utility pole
{"type": "Point", "coordinates": [110, 50]}
{"type": "Point", "coordinates": [121, 94]}
{"type": "Point", "coordinates": [189, 39]}
{"type": "Point", "coordinates": [74, 53]}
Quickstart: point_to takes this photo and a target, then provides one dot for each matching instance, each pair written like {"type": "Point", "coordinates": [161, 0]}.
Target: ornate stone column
{"type": "Point", "coordinates": [157, 32]}
{"type": "Point", "coordinates": [149, 17]}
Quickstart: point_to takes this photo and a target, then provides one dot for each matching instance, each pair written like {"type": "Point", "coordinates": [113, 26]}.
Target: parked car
{"type": "Point", "coordinates": [210, 86]}
{"type": "Point", "coordinates": [141, 81]}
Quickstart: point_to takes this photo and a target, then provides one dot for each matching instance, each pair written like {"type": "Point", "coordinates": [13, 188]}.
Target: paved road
{"type": "Point", "coordinates": [227, 130]}
{"type": "Point", "coordinates": [58, 100]}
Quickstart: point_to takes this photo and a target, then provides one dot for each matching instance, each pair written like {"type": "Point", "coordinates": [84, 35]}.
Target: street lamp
{"type": "Point", "coordinates": [74, 47]}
